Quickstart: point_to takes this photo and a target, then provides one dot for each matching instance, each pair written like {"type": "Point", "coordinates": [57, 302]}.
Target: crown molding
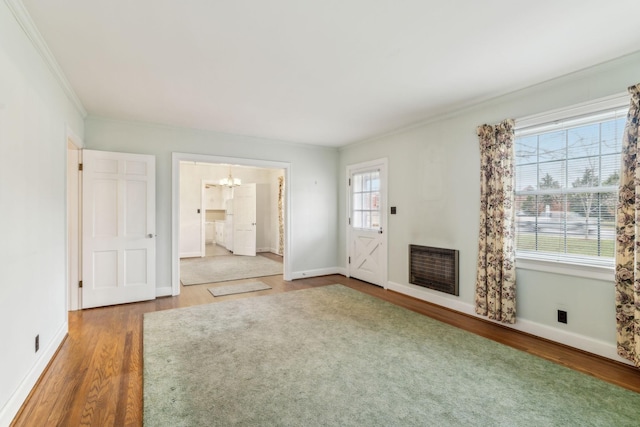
{"type": "Point", "coordinates": [24, 19]}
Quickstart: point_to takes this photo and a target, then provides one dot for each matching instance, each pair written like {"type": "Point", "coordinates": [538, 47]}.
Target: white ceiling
{"type": "Point", "coordinates": [326, 72]}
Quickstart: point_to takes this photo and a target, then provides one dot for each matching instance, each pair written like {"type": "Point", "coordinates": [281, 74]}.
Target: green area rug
{"type": "Point", "coordinates": [333, 356]}
{"type": "Point", "coordinates": [238, 288]}
{"type": "Point", "coordinates": [195, 271]}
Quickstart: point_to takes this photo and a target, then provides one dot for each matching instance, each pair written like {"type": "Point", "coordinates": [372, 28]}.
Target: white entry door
{"type": "Point", "coordinates": [118, 228]}
{"type": "Point", "coordinates": [244, 220]}
{"type": "Point", "coordinates": [366, 234]}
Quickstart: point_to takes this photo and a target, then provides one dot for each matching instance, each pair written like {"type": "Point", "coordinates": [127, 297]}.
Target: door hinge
{"type": "Point", "coordinates": [80, 284]}
{"type": "Point", "coordinates": [349, 260]}
{"type": "Point", "coordinates": [349, 221]}
{"type": "Point", "coordinates": [79, 166]}
{"type": "Point", "coordinates": [349, 182]}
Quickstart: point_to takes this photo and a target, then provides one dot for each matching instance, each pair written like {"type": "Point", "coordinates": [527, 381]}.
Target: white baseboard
{"type": "Point", "coordinates": [191, 255]}
{"type": "Point", "coordinates": [11, 408]}
{"type": "Point", "coordinates": [164, 291]}
{"type": "Point", "coordinates": [425, 294]}
{"type": "Point", "coordinates": [263, 249]}
{"type": "Point", "coordinates": [314, 273]}
{"type": "Point", "coordinates": [571, 339]}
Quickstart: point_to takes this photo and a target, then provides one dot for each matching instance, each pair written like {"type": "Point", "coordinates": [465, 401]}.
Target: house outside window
{"type": "Point", "coordinates": [567, 175]}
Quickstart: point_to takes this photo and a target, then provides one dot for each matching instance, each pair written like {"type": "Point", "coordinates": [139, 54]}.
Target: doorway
{"type": "Point", "coordinates": [178, 248]}
{"type": "Point", "coordinates": [228, 215]}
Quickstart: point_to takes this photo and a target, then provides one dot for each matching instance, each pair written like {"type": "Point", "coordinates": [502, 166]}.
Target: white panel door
{"type": "Point", "coordinates": [118, 220]}
{"type": "Point", "coordinates": [244, 220]}
{"type": "Point", "coordinates": [367, 249]}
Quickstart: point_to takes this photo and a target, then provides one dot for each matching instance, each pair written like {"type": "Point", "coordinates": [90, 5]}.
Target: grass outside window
{"type": "Point", "coordinates": [557, 243]}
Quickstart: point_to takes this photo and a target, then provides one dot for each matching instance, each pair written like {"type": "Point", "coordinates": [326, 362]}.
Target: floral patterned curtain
{"type": "Point", "coordinates": [281, 215]}
{"type": "Point", "coordinates": [496, 278]}
{"type": "Point", "coordinates": [628, 238]}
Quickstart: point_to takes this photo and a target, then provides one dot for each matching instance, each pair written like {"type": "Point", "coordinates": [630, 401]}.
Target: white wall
{"type": "Point", "coordinates": [434, 183]}
{"type": "Point", "coordinates": [34, 115]}
{"type": "Point", "coordinates": [313, 184]}
{"type": "Point", "coordinates": [263, 217]}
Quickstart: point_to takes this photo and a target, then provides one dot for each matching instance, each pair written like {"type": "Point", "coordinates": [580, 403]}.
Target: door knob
{"type": "Point", "coordinates": [150, 236]}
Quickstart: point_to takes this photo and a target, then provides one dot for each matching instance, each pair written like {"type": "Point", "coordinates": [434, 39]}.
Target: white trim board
{"type": "Point", "coordinates": [191, 255]}
{"type": "Point", "coordinates": [17, 399]}
{"type": "Point", "coordinates": [315, 273]}
{"type": "Point", "coordinates": [164, 291]}
{"type": "Point", "coordinates": [560, 266]}
{"type": "Point", "coordinates": [571, 339]}
{"type": "Point", "coordinates": [73, 291]}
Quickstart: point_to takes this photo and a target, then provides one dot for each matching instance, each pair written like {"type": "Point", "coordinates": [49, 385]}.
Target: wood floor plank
{"type": "Point", "coordinates": [96, 376]}
{"type": "Point", "coordinates": [96, 405]}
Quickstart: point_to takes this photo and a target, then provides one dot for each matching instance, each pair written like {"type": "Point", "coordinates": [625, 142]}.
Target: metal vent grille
{"type": "Point", "coordinates": [434, 268]}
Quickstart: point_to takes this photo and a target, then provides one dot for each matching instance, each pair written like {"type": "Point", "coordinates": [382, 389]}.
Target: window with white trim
{"type": "Point", "coordinates": [567, 174]}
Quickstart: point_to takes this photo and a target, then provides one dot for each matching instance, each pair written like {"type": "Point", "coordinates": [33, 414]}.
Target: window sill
{"type": "Point", "coordinates": [597, 269]}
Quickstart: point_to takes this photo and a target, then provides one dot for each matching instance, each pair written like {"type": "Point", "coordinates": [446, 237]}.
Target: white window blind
{"type": "Point", "coordinates": [567, 174]}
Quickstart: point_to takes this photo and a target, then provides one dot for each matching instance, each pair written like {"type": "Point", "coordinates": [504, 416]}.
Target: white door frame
{"type": "Point", "coordinates": [74, 222]}
{"type": "Point", "coordinates": [383, 164]}
{"type": "Point", "coordinates": [176, 158]}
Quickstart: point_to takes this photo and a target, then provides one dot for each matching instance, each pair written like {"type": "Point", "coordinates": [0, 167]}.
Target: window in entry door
{"type": "Point", "coordinates": [366, 207]}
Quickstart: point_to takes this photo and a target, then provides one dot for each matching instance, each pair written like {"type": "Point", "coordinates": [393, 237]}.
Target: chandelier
{"type": "Point", "coordinates": [230, 181]}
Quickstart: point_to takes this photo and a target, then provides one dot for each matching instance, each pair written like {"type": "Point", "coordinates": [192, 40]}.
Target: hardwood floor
{"type": "Point", "coordinates": [95, 379]}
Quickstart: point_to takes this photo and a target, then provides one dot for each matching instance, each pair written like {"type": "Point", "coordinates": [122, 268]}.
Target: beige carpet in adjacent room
{"type": "Point", "coordinates": [194, 271]}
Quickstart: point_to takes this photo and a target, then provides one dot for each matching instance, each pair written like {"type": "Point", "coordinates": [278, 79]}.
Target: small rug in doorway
{"type": "Point", "coordinates": [238, 288]}
{"type": "Point", "coordinates": [195, 271]}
